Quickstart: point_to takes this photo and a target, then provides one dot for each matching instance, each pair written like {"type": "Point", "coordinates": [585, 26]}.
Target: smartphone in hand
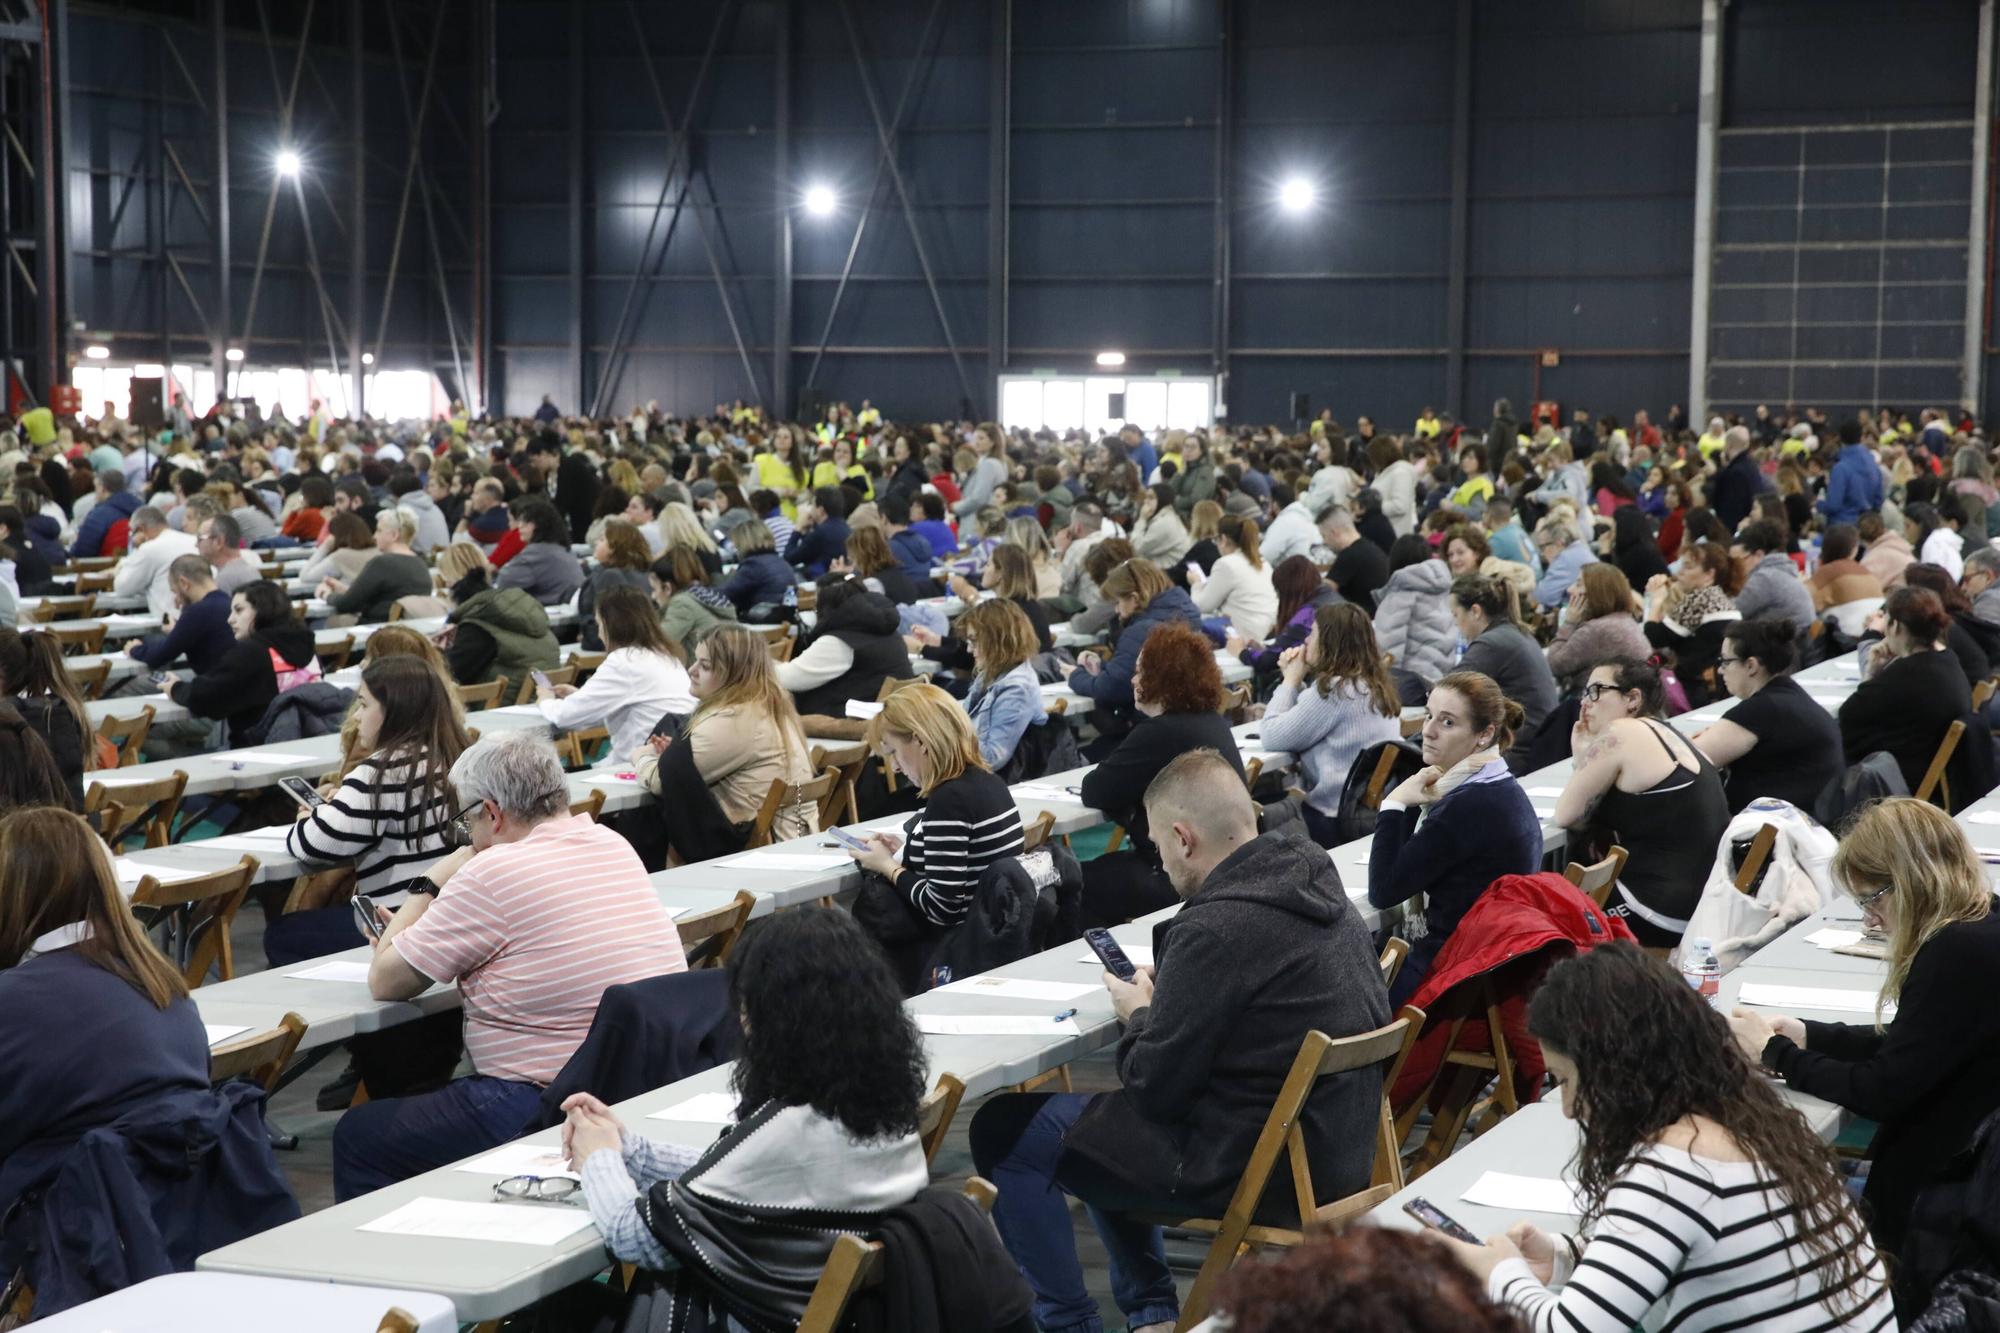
{"type": "Point", "coordinates": [1437, 1219]}
{"type": "Point", "coordinates": [541, 679]}
{"type": "Point", "coordinates": [846, 839]}
{"type": "Point", "coordinates": [364, 917]}
{"type": "Point", "coordinates": [1107, 951]}
{"type": "Point", "coordinates": [302, 791]}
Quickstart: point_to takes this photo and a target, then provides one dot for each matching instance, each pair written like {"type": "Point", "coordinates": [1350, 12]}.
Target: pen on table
{"type": "Point", "coordinates": [1065, 1014]}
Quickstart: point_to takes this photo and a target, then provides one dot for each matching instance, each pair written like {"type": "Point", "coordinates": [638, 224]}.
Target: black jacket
{"type": "Point", "coordinates": [646, 1035]}
{"type": "Point", "coordinates": [576, 492]}
{"type": "Point", "coordinates": [867, 623]}
{"type": "Point", "coordinates": [1267, 949]}
{"type": "Point", "coordinates": [955, 653]}
{"type": "Point", "coordinates": [695, 824]}
{"type": "Point", "coordinates": [1117, 786]}
{"type": "Point", "coordinates": [51, 719]}
{"type": "Point", "coordinates": [944, 1271]}
{"type": "Point", "coordinates": [242, 685]}
{"type": "Point", "coordinates": [1734, 493]}
{"type": "Point", "coordinates": [1905, 709]}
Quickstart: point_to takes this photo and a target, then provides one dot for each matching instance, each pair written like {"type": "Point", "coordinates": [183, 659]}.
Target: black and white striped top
{"type": "Point", "coordinates": [378, 821]}
{"type": "Point", "coordinates": [965, 826]}
{"type": "Point", "coordinates": [1691, 1244]}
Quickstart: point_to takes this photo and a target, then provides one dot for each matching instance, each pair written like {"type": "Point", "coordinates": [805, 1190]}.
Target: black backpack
{"type": "Point", "coordinates": [1357, 820]}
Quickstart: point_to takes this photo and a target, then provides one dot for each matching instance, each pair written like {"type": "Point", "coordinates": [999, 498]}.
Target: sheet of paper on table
{"type": "Point", "coordinates": [1545, 791]}
{"type": "Point", "coordinates": [1833, 938]}
{"type": "Point", "coordinates": [1041, 791]}
{"type": "Point", "coordinates": [131, 870]}
{"type": "Point", "coordinates": [1982, 817]}
{"type": "Point", "coordinates": [1018, 988]}
{"type": "Point", "coordinates": [995, 1025]}
{"type": "Point", "coordinates": [862, 709]}
{"type": "Point", "coordinates": [522, 1159]}
{"type": "Point", "coordinates": [1836, 999]}
{"type": "Point", "coordinates": [524, 1223]}
{"type": "Point", "coordinates": [1533, 1194]}
{"type": "Point", "coordinates": [340, 969]}
{"type": "Point", "coordinates": [1545, 811]}
{"type": "Point", "coordinates": [763, 859]}
{"type": "Point", "coordinates": [704, 1108]}
{"type": "Point", "coordinates": [612, 777]}
{"type": "Point", "coordinates": [221, 1032]}
{"type": "Point", "coordinates": [1140, 954]}
{"type": "Point", "coordinates": [273, 759]}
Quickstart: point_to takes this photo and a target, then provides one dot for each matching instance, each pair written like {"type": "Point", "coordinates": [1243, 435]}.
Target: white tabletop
{"type": "Point", "coordinates": [202, 1302]}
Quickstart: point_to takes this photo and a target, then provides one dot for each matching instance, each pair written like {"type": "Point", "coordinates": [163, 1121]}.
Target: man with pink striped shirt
{"type": "Point", "coordinates": [532, 921]}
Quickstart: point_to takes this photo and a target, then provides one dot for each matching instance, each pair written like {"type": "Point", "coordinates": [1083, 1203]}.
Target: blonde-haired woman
{"type": "Point", "coordinates": [1929, 1075]}
{"type": "Point", "coordinates": [1239, 588]}
{"type": "Point", "coordinates": [1027, 534]}
{"type": "Point", "coordinates": [681, 529]}
{"type": "Point", "coordinates": [1142, 598]}
{"type": "Point", "coordinates": [743, 735]}
{"type": "Point", "coordinates": [968, 820]}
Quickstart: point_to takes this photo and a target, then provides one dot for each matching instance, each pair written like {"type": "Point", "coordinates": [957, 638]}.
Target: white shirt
{"type": "Point", "coordinates": [1240, 594]}
{"type": "Point", "coordinates": [144, 569]}
{"type": "Point", "coordinates": [1945, 549]}
{"type": "Point", "coordinates": [627, 696]}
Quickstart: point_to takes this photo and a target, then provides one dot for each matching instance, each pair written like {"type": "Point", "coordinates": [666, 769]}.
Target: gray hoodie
{"type": "Point", "coordinates": [431, 531]}
{"type": "Point", "coordinates": [1413, 619]}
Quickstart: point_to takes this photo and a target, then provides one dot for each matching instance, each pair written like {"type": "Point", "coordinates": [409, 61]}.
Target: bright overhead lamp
{"type": "Point", "coordinates": [368, 358]}
{"type": "Point", "coordinates": [1111, 358]}
{"type": "Point", "coordinates": [1296, 195]}
{"type": "Point", "coordinates": [97, 352]}
{"type": "Point", "coordinates": [288, 162]}
{"type": "Point", "coordinates": [233, 354]}
{"type": "Point", "coordinates": [820, 200]}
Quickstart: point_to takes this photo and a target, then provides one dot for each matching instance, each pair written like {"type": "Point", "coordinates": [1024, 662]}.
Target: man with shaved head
{"type": "Point", "coordinates": [1265, 947]}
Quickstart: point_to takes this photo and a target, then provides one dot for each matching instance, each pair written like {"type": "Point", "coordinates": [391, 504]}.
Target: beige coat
{"type": "Point", "coordinates": [740, 755]}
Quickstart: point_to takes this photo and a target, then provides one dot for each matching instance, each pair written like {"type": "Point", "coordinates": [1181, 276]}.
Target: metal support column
{"type": "Point", "coordinates": [781, 311]}
{"type": "Point", "coordinates": [218, 346]}
{"type": "Point", "coordinates": [1461, 194]}
{"type": "Point", "coordinates": [1970, 393]}
{"type": "Point", "coordinates": [1225, 107]}
{"type": "Point", "coordinates": [52, 237]}
{"type": "Point", "coordinates": [578, 396]}
{"type": "Point", "coordinates": [482, 206]}
{"type": "Point", "coordinates": [999, 189]}
{"type": "Point", "coordinates": [357, 235]}
{"type": "Point", "coordinates": [1708, 134]}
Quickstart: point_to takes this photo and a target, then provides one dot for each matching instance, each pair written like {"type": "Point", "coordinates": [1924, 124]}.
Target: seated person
{"type": "Point", "coordinates": [868, 557]}
{"type": "Point", "coordinates": [1648, 789]}
{"type": "Point", "coordinates": [1709, 1197]}
{"type": "Point", "coordinates": [1842, 586]}
{"type": "Point", "coordinates": [35, 680]}
{"type": "Point", "coordinates": [390, 817]}
{"type": "Point", "coordinates": [1266, 948]}
{"type": "Point", "coordinates": [1009, 575]}
{"type": "Point", "coordinates": [29, 773]}
{"type": "Point", "coordinates": [1005, 698]}
{"type": "Point", "coordinates": [1349, 705]}
{"type": "Point", "coordinates": [820, 537]}
{"type": "Point", "coordinates": [968, 819]}
{"type": "Point", "coordinates": [1499, 647]}
{"type": "Point", "coordinates": [532, 920]}
{"type": "Point", "coordinates": [492, 633]}
{"type": "Point", "coordinates": [1492, 829]}
{"type": "Point", "coordinates": [1688, 614]}
{"type": "Point", "coordinates": [761, 577]}
{"type": "Point", "coordinates": [1144, 600]}
{"type": "Point", "coordinates": [1912, 689]}
{"type": "Point", "coordinates": [1777, 741]}
{"type": "Point", "coordinates": [397, 571]}
{"type": "Point", "coordinates": [641, 680]}
{"type": "Point", "coordinates": [1177, 692]}
{"type": "Point", "coordinates": [1364, 1279]}
{"type": "Point", "coordinates": [200, 631]}
{"type": "Point", "coordinates": [621, 559]}
{"type": "Point", "coordinates": [544, 568]}
{"type": "Point", "coordinates": [827, 1087]}
{"type": "Point", "coordinates": [854, 646]}
{"type": "Point", "coordinates": [343, 550]}
{"type": "Point", "coordinates": [1928, 1075]}
{"type": "Point", "coordinates": [242, 685]}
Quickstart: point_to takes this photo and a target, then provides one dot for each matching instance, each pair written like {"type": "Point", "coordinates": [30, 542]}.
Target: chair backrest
{"type": "Point", "coordinates": [89, 584]}
{"type": "Point", "coordinates": [1981, 692]}
{"type": "Point", "coordinates": [398, 1320]}
{"type": "Point", "coordinates": [856, 1265]}
{"type": "Point", "coordinates": [321, 888]}
{"type": "Point", "coordinates": [1251, 772]}
{"type": "Point", "coordinates": [893, 683]}
{"type": "Point", "coordinates": [576, 747]}
{"type": "Point", "coordinates": [783, 796]}
{"type": "Point", "coordinates": [210, 903]}
{"type": "Point", "coordinates": [1378, 781]}
{"type": "Point", "coordinates": [91, 680]}
{"type": "Point", "coordinates": [1934, 776]}
{"type": "Point", "coordinates": [808, 598]}
{"type": "Point", "coordinates": [1057, 708]}
{"type": "Point", "coordinates": [781, 651]}
{"type": "Point", "coordinates": [1236, 703]}
{"type": "Point", "coordinates": [707, 937]}
{"type": "Point", "coordinates": [1595, 880]}
{"type": "Point", "coordinates": [128, 734]}
{"type": "Point", "coordinates": [562, 675]}
{"type": "Point", "coordinates": [1037, 832]}
{"type": "Point", "coordinates": [474, 698]}
{"type": "Point", "coordinates": [80, 640]}
{"type": "Point", "coordinates": [64, 608]}
{"type": "Point", "coordinates": [1393, 954]}
{"type": "Point", "coordinates": [772, 634]}
{"type": "Point", "coordinates": [1753, 859]}
{"type": "Point", "coordinates": [935, 1112]}
{"type": "Point", "coordinates": [841, 806]}
{"type": "Point", "coordinates": [336, 657]}
{"type": "Point", "coordinates": [117, 810]}
{"type": "Point", "coordinates": [585, 663]}
{"type": "Point", "coordinates": [260, 1057]}
{"type": "Point", "coordinates": [592, 805]}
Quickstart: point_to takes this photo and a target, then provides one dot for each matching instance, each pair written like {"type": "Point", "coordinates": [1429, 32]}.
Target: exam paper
{"type": "Point", "coordinates": [1546, 812]}
{"type": "Point", "coordinates": [219, 1033]}
{"type": "Point", "coordinates": [131, 870]}
{"type": "Point", "coordinates": [1834, 939]}
{"type": "Point", "coordinates": [340, 969]}
{"type": "Point", "coordinates": [275, 760]}
{"type": "Point", "coordinates": [995, 1025]}
{"type": "Point", "coordinates": [521, 1159]}
{"type": "Point", "coordinates": [773, 860]}
{"type": "Point", "coordinates": [1545, 791]}
{"type": "Point", "coordinates": [1016, 988]}
{"type": "Point", "coordinates": [862, 709]}
{"type": "Point", "coordinates": [1533, 1194]}
{"type": "Point", "coordinates": [1982, 817]}
{"type": "Point", "coordinates": [704, 1108]}
{"type": "Point", "coordinates": [1810, 997]}
{"type": "Point", "coordinates": [1140, 954]}
{"type": "Point", "coordinates": [524, 1223]}
{"type": "Point", "coordinates": [1041, 791]}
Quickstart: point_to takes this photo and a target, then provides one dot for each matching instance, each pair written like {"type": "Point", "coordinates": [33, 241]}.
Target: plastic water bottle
{"type": "Point", "coordinates": [1701, 969]}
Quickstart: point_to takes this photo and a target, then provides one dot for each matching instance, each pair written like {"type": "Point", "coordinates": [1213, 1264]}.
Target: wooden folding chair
{"type": "Point", "coordinates": [206, 931]}
{"type": "Point", "coordinates": [91, 564]}
{"type": "Point", "coordinates": [82, 640]}
{"type": "Point", "coordinates": [808, 597]}
{"type": "Point", "coordinates": [87, 585]}
{"type": "Point", "coordinates": [585, 663]}
{"type": "Point", "coordinates": [62, 608]}
{"type": "Point", "coordinates": [1037, 833]}
{"type": "Point", "coordinates": [118, 810]}
{"type": "Point", "coordinates": [91, 680]}
{"type": "Point", "coordinates": [1935, 780]}
{"type": "Point", "coordinates": [772, 634]}
{"type": "Point", "coordinates": [395, 611]}
{"type": "Point", "coordinates": [856, 1265]}
{"type": "Point", "coordinates": [1236, 704]}
{"type": "Point", "coordinates": [781, 651]}
{"type": "Point", "coordinates": [1468, 1072]}
{"type": "Point", "coordinates": [707, 937]}
{"type": "Point", "coordinates": [1410, 726]}
{"type": "Point", "coordinates": [398, 1320]}
{"type": "Point", "coordinates": [335, 658]}
{"type": "Point", "coordinates": [17, 1301]}
{"type": "Point", "coordinates": [1393, 954]}
{"type": "Point", "coordinates": [562, 675]}
{"type": "Point", "coordinates": [1595, 880]}
{"type": "Point", "coordinates": [842, 805]}
{"type": "Point", "coordinates": [783, 796]}
{"type": "Point", "coordinates": [1378, 777]}
{"type": "Point", "coordinates": [128, 734]}
{"type": "Point", "coordinates": [321, 888]}
{"type": "Point", "coordinates": [1251, 772]}
{"type": "Point", "coordinates": [935, 1111]}
{"type": "Point", "coordinates": [578, 747]}
{"type": "Point", "coordinates": [1755, 856]}
{"type": "Point", "coordinates": [592, 805]}
{"type": "Point", "coordinates": [260, 1057]}
{"type": "Point", "coordinates": [1320, 1056]}
{"type": "Point", "coordinates": [477, 698]}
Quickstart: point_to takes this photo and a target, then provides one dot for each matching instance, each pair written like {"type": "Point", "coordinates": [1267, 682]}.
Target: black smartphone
{"type": "Point", "coordinates": [302, 791]}
{"type": "Point", "coordinates": [1107, 951]}
{"type": "Point", "coordinates": [157, 677]}
{"type": "Point", "coordinates": [1437, 1219]}
{"type": "Point", "coordinates": [364, 917]}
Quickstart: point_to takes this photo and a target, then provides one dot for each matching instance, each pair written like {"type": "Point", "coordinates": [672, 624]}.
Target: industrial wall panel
{"type": "Point", "coordinates": [1291, 312]}
{"type": "Point", "coordinates": [1919, 61]}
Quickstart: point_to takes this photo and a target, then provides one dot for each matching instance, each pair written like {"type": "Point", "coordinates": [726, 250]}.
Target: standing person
{"type": "Point", "coordinates": [396, 572]}
{"type": "Point", "coordinates": [622, 559]}
{"type": "Point", "coordinates": [642, 680]}
{"type": "Point", "coordinates": [1497, 646]}
{"type": "Point", "coordinates": [546, 569]}
{"type": "Point", "coordinates": [1492, 829]}
{"type": "Point", "coordinates": [390, 816]}
{"type": "Point", "coordinates": [1265, 948]}
{"type": "Point", "coordinates": [533, 920]}
{"type": "Point", "coordinates": [1912, 688]}
{"type": "Point", "coordinates": [240, 687]}
{"type": "Point", "coordinates": [1334, 701]}
{"type": "Point", "coordinates": [1239, 590]}
{"type": "Point", "coordinates": [1737, 484]}
{"type": "Point", "coordinates": [1708, 1203]}
{"type": "Point", "coordinates": [1777, 742]}
{"type": "Point", "coordinates": [1651, 791]}
{"type": "Point", "coordinates": [1929, 1074]}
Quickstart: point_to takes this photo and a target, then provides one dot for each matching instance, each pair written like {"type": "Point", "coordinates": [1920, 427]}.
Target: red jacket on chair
{"type": "Point", "coordinates": [1540, 916]}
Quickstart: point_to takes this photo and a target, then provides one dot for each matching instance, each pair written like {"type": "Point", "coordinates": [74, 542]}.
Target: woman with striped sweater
{"type": "Point", "coordinates": [1708, 1203]}
{"type": "Point", "coordinates": [390, 815]}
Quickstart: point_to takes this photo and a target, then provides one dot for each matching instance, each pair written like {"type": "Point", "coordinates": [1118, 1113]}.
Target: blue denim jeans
{"type": "Point", "coordinates": [1016, 1142]}
{"type": "Point", "coordinates": [380, 1143]}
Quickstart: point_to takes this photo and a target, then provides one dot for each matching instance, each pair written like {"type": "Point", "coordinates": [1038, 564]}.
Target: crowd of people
{"type": "Point", "coordinates": [1456, 609]}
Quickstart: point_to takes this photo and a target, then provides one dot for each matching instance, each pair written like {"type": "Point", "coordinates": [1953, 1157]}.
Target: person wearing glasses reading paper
{"type": "Point", "coordinates": [533, 920]}
{"type": "Point", "coordinates": [1927, 1069]}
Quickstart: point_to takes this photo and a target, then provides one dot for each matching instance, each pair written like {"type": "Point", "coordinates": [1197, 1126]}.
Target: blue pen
{"type": "Point", "coordinates": [1065, 1014]}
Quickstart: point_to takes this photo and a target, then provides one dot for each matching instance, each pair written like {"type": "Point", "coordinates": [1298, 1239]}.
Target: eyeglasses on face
{"type": "Point", "coordinates": [1866, 902]}
{"type": "Point", "coordinates": [1598, 689]}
